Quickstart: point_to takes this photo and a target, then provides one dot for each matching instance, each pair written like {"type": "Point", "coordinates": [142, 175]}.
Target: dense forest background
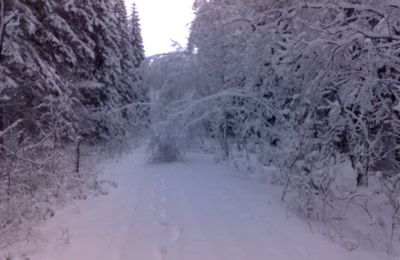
{"type": "Point", "coordinates": [310, 88]}
{"type": "Point", "coordinates": [69, 75]}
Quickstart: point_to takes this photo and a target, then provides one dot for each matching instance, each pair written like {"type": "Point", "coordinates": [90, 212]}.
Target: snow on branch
{"type": "Point", "coordinates": [231, 93]}
{"type": "Point", "coordinates": [10, 127]}
{"type": "Point", "coordinates": [4, 21]}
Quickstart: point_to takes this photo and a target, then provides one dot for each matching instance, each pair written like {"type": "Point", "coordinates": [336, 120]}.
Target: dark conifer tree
{"type": "Point", "coordinates": [69, 56]}
{"type": "Point", "coordinates": [136, 36]}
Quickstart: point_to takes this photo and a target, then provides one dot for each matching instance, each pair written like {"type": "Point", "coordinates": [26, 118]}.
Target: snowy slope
{"type": "Point", "coordinates": [193, 210]}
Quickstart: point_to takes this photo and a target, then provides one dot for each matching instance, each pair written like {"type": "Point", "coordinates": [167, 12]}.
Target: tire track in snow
{"type": "Point", "coordinates": [160, 199]}
{"type": "Point", "coordinates": [186, 211]}
{"type": "Point", "coordinates": [134, 206]}
{"type": "Point", "coordinates": [170, 245]}
{"type": "Point", "coordinates": [257, 219]}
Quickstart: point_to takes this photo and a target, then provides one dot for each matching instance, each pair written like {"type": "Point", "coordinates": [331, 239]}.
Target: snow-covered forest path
{"type": "Point", "coordinates": [192, 210]}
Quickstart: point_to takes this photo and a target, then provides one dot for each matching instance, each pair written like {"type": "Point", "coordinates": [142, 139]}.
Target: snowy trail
{"type": "Point", "coordinates": [192, 210]}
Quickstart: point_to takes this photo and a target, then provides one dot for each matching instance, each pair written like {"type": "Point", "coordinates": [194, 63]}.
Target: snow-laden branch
{"type": "Point", "coordinates": [10, 127]}
{"type": "Point", "coordinates": [16, 155]}
{"type": "Point", "coordinates": [336, 6]}
{"type": "Point", "coordinates": [4, 21]}
{"type": "Point", "coordinates": [231, 93]}
{"type": "Point", "coordinates": [130, 105]}
{"type": "Point", "coordinates": [119, 109]}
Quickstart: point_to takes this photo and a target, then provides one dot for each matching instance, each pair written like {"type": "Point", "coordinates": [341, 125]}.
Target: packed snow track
{"type": "Point", "coordinates": [191, 210]}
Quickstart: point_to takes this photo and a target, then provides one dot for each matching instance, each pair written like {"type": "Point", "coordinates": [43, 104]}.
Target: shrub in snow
{"type": "Point", "coordinates": [166, 147]}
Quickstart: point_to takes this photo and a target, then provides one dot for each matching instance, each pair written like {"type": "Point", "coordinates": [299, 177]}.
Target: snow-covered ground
{"type": "Point", "coordinates": [192, 210]}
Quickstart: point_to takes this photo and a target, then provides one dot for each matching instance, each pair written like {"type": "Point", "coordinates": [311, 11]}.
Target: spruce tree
{"type": "Point", "coordinates": [70, 60]}
{"type": "Point", "coordinates": [136, 36]}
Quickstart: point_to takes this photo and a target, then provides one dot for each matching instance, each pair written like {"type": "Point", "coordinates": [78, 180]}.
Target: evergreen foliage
{"type": "Point", "coordinates": [69, 73]}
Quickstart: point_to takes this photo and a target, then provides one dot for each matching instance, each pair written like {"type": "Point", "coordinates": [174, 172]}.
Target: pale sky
{"type": "Point", "coordinates": [163, 21]}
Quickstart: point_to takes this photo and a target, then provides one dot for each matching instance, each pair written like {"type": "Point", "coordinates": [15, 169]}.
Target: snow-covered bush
{"type": "Point", "coordinates": [168, 77]}
{"type": "Point", "coordinates": [328, 72]}
{"type": "Point", "coordinates": [166, 147]}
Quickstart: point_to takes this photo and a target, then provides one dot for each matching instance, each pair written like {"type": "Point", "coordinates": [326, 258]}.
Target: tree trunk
{"type": "Point", "coordinates": [2, 32]}
{"type": "Point", "coordinates": [2, 127]}
{"type": "Point", "coordinates": [362, 175]}
{"type": "Point", "coordinates": [224, 141]}
{"type": "Point", "coordinates": [2, 27]}
{"type": "Point", "coordinates": [78, 156]}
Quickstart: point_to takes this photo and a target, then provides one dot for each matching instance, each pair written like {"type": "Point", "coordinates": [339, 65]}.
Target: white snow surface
{"type": "Point", "coordinates": [191, 210]}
